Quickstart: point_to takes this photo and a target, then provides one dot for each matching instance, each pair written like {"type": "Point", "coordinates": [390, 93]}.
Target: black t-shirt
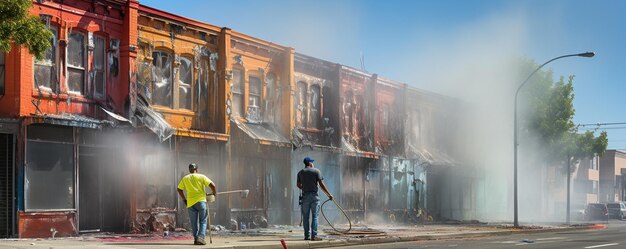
{"type": "Point", "coordinates": [309, 178]}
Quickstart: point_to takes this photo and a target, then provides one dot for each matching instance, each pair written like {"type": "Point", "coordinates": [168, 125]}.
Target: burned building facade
{"type": "Point", "coordinates": [259, 83]}
{"type": "Point", "coordinates": [97, 134]}
{"type": "Point", "coordinates": [316, 123]}
{"type": "Point", "coordinates": [181, 100]}
{"type": "Point", "coordinates": [429, 146]}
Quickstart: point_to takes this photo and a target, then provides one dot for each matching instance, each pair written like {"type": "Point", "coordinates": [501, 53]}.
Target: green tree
{"type": "Point", "coordinates": [548, 113]}
{"type": "Point", "coordinates": [17, 26]}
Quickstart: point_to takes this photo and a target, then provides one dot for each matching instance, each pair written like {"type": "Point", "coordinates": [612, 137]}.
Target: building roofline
{"type": "Point", "coordinates": [238, 35]}
{"type": "Point", "coordinates": [391, 83]}
{"type": "Point", "coordinates": [177, 18]}
{"type": "Point", "coordinates": [302, 56]}
{"type": "Point", "coordinates": [354, 70]}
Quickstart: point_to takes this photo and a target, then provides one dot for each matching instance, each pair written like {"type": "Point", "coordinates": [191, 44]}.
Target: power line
{"type": "Point", "coordinates": [601, 124]}
{"type": "Point", "coordinates": [604, 128]}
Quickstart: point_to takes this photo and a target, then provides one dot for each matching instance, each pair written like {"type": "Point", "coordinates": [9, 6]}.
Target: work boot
{"type": "Point", "coordinates": [316, 239]}
{"type": "Point", "coordinates": [195, 240]}
{"type": "Point", "coordinates": [201, 241]}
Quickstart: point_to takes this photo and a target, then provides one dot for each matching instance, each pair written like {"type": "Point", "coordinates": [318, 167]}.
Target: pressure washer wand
{"type": "Point", "coordinates": [209, 221]}
{"type": "Point", "coordinates": [242, 192]}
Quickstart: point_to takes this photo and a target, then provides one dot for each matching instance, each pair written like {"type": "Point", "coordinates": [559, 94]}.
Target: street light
{"type": "Point", "coordinates": [515, 143]}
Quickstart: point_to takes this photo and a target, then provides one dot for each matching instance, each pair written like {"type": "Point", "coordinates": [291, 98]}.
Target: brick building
{"type": "Point", "coordinates": [98, 133]}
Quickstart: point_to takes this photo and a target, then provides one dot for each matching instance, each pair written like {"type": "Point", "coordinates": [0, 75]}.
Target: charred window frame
{"type": "Point", "coordinates": [301, 97]}
{"type": "Point", "coordinates": [2, 80]}
{"type": "Point", "coordinates": [384, 121]}
{"type": "Point", "coordinates": [76, 63]}
{"type": "Point", "coordinates": [185, 83]}
{"type": "Point", "coordinates": [45, 69]}
{"type": "Point", "coordinates": [315, 107]}
{"type": "Point", "coordinates": [99, 64]}
{"type": "Point", "coordinates": [50, 173]}
{"type": "Point", "coordinates": [162, 63]}
{"type": "Point", "coordinates": [144, 70]}
{"type": "Point", "coordinates": [270, 96]}
{"type": "Point", "coordinates": [238, 91]}
{"type": "Point", "coordinates": [254, 96]}
{"type": "Point", "coordinates": [204, 81]}
{"type": "Point", "coordinates": [255, 93]}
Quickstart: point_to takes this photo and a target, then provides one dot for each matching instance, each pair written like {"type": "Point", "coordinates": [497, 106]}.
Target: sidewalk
{"type": "Point", "coordinates": [292, 235]}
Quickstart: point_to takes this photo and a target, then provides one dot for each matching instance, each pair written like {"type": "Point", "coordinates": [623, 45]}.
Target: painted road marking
{"type": "Point", "coordinates": [552, 238]}
{"type": "Point", "coordinates": [612, 244]}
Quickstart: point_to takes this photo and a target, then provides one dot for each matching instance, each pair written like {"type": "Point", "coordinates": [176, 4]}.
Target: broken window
{"type": "Point", "coordinates": [45, 68]}
{"type": "Point", "coordinates": [1, 73]}
{"type": "Point", "coordinates": [144, 70]}
{"type": "Point", "coordinates": [270, 97]}
{"type": "Point", "coordinates": [98, 63]}
{"type": "Point", "coordinates": [238, 91]}
{"type": "Point", "coordinates": [76, 63]}
{"type": "Point", "coordinates": [301, 104]}
{"type": "Point", "coordinates": [254, 99]}
{"type": "Point", "coordinates": [384, 120]}
{"type": "Point", "coordinates": [185, 80]}
{"type": "Point", "coordinates": [49, 169]}
{"type": "Point", "coordinates": [202, 94]}
{"type": "Point", "coordinates": [315, 107]}
{"type": "Point", "coordinates": [162, 84]}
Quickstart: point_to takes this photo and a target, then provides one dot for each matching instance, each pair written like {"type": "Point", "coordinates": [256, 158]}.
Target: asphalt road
{"type": "Point", "coordinates": [612, 237]}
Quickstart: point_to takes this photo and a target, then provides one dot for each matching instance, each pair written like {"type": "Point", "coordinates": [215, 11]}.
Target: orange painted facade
{"type": "Point", "coordinates": [185, 86]}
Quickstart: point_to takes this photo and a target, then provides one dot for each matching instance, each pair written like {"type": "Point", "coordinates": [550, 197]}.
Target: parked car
{"type": "Point", "coordinates": [597, 211]}
{"type": "Point", "coordinates": [617, 210]}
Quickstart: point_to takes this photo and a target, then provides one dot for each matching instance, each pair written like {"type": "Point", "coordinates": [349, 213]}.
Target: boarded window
{"type": "Point", "coordinates": [301, 104]}
{"type": "Point", "coordinates": [1, 73]}
{"type": "Point", "coordinates": [185, 80]}
{"type": "Point", "coordinates": [238, 91]}
{"type": "Point", "coordinates": [98, 64]}
{"type": "Point", "coordinates": [315, 107]}
{"type": "Point", "coordinates": [49, 176]}
{"type": "Point", "coordinates": [156, 186]}
{"type": "Point", "coordinates": [46, 68]}
{"type": "Point", "coordinates": [162, 84]}
{"type": "Point", "coordinates": [76, 63]}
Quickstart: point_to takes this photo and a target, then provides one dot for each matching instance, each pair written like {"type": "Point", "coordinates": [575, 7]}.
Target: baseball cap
{"type": "Point", "coordinates": [193, 166]}
{"type": "Point", "coordinates": [308, 160]}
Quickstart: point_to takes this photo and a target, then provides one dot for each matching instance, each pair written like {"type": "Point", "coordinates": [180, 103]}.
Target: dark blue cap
{"type": "Point", "coordinates": [308, 160]}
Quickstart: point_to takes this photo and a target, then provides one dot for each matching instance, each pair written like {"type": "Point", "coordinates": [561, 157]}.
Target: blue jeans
{"type": "Point", "coordinates": [198, 216]}
{"type": "Point", "coordinates": [310, 205]}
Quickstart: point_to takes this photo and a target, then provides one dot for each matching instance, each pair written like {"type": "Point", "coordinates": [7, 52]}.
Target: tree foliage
{"type": "Point", "coordinates": [548, 112]}
{"type": "Point", "coordinates": [17, 26]}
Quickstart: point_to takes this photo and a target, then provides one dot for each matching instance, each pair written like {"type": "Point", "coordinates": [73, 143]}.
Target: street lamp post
{"type": "Point", "coordinates": [515, 143]}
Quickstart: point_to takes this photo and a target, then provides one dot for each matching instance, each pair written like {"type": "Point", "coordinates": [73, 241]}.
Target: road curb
{"type": "Point", "coordinates": [393, 239]}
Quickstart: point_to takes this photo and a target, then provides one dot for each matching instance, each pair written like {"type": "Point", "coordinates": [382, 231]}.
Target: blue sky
{"type": "Point", "coordinates": [407, 40]}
